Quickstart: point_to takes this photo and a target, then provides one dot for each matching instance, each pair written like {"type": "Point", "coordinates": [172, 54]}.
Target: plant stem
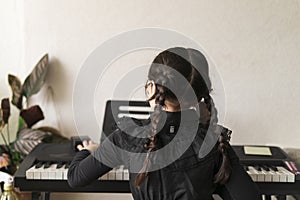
{"type": "Point", "coordinates": [4, 140]}
{"type": "Point", "coordinates": [8, 147]}
{"type": "Point", "coordinates": [8, 135]}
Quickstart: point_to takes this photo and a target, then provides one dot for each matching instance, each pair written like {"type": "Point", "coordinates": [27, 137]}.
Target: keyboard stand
{"type": "Point", "coordinates": [40, 195]}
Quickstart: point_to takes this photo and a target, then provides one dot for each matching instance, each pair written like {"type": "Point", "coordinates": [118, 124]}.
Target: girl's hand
{"type": "Point", "coordinates": [89, 145]}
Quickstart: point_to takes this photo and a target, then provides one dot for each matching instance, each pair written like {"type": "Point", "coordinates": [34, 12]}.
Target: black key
{"type": "Point", "coordinates": [246, 168]}
{"type": "Point", "coordinates": [59, 165]}
{"type": "Point", "coordinates": [257, 168]}
{"type": "Point", "coordinates": [67, 165]}
{"type": "Point", "coordinates": [266, 168]}
{"type": "Point", "coordinates": [274, 168]}
{"type": "Point", "coordinates": [39, 165]}
{"type": "Point", "coordinates": [47, 165]}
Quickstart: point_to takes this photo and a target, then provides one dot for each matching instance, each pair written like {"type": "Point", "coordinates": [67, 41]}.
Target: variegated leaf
{"type": "Point", "coordinates": [21, 125]}
{"type": "Point", "coordinates": [36, 79]}
{"type": "Point", "coordinates": [16, 88]}
{"type": "Point", "coordinates": [28, 139]}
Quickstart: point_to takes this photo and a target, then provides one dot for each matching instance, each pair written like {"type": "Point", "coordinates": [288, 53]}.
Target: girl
{"type": "Point", "coordinates": [175, 154]}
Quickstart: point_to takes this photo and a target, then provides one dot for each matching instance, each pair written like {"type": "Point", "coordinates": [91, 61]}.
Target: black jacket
{"type": "Point", "coordinates": [183, 165]}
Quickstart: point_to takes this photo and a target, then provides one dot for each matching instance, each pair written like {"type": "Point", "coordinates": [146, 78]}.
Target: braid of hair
{"type": "Point", "coordinates": [224, 172]}
{"type": "Point", "coordinates": [160, 102]}
{"type": "Point", "coordinates": [222, 176]}
{"type": "Point", "coordinates": [212, 109]}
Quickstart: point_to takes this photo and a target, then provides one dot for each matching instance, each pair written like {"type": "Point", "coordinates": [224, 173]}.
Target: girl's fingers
{"type": "Point", "coordinates": [79, 147]}
{"type": "Point", "coordinates": [89, 145]}
{"type": "Point", "coordinates": [85, 143]}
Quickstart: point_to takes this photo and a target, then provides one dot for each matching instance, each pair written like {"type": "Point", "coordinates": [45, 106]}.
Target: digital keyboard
{"type": "Point", "coordinates": [274, 174]}
{"type": "Point", "coordinates": [45, 170]}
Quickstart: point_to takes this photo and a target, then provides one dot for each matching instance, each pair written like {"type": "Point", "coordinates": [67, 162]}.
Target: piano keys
{"type": "Point", "coordinates": [48, 171]}
{"type": "Point", "coordinates": [119, 173]}
{"type": "Point", "coordinates": [270, 174]}
{"type": "Point", "coordinates": [59, 171]}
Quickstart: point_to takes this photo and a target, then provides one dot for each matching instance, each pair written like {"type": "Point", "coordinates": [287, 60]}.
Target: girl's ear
{"type": "Point", "coordinates": [150, 89]}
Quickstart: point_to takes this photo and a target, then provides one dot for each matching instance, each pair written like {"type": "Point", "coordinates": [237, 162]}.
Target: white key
{"type": "Point", "coordinates": [44, 173]}
{"type": "Point", "coordinates": [126, 175]}
{"type": "Point", "coordinates": [112, 174]}
{"type": "Point", "coordinates": [290, 176]}
{"type": "Point", "coordinates": [252, 173]}
{"type": "Point", "coordinates": [59, 174]}
{"type": "Point", "coordinates": [119, 173]}
{"type": "Point", "coordinates": [48, 173]}
{"type": "Point", "coordinates": [267, 174]}
{"type": "Point", "coordinates": [282, 176]}
{"type": "Point", "coordinates": [37, 173]}
{"type": "Point", "coordinates": [260, 176]}
{"type": "Point", "coordinates": [30, 172]}
{"type": "Point", "coordinates": [104, 177]}
{"type": "Point", "coordinates": [275, 176]}
{"type": "Point", "coordinates": [52, 171]}
{"type": "Point", "coordinates": [65, 172]}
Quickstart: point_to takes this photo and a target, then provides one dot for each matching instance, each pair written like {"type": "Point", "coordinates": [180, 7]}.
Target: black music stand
{"type": "Point", "coordinates": [117, 109]}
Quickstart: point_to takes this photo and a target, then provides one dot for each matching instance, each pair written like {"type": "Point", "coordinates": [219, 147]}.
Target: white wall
{"type": "Point", "coordinates": [11, 51]}
{"type": "Point", "coordinates": [254, 45]}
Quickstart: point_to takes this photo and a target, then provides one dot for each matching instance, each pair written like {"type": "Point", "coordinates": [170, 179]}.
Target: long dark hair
{"type": "Point", "coordinates": [166, 69]}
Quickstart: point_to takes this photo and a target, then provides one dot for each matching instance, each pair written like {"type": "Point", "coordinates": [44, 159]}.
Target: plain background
{"type": "Point", "coordinates": [254, 46]}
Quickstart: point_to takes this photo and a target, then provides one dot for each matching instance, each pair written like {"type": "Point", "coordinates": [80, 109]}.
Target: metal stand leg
{"type": "Point", "coordinates": [35, 195]}
{"type": "Point", "coordinates": [47, 196]}
{"type": "Point", "coordinates": [40, 195]}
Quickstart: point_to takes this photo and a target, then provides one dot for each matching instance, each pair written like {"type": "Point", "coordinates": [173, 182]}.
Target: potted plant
{"type": "Point", "coordinates": [13, 152]}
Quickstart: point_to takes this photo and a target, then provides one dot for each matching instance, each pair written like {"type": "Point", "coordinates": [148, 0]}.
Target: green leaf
{"type": "Point", "coordinates": [36, 79]}
{"type": "Point", "coordinates": [16, 88]}
{"type": "Point", "coordinates": [22, 124]}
